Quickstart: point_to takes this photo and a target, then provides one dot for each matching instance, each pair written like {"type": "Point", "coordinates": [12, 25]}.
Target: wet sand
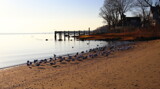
{"type": "Point", "coordinates": [137, 68]}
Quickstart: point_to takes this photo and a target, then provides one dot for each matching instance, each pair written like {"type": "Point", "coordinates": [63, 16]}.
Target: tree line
{"type": "Point", "coordinates": [113, 11]}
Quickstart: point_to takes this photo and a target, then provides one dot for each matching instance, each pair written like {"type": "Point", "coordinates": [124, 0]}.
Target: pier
{"type": "Point", "coordinates": [69, 34]}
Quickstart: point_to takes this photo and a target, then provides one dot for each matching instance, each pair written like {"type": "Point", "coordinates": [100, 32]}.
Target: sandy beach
{"type": "Point", "coordinates": [136, 68]}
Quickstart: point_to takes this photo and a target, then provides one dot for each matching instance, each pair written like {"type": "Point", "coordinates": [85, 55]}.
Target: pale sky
{"type": "Point", "coordinates": [48, 15]}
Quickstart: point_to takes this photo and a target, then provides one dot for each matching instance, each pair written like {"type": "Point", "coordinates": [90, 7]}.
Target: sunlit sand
{"type": "Point", "coordinates": [136, 68]}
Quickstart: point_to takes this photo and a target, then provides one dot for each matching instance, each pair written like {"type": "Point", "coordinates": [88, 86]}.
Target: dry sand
{"type": "Point", "coordinates": [137, 68]}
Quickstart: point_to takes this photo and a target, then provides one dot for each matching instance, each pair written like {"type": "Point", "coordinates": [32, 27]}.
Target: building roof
{"type": "Point", "coordinates": [133, 18]}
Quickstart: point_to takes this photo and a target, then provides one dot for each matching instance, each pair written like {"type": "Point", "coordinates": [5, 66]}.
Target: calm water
{"type": "Point", "coordinates": [18, 48]}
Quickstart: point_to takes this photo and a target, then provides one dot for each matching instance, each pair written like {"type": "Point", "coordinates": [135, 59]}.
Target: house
{"type": "Point", "coordinates": [130, 21]}
{"type": "Point", "coordinates": [155, 15]}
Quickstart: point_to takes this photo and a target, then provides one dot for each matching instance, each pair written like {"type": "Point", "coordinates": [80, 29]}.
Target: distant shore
{"type": "Point", "coordinates": [136, 68]}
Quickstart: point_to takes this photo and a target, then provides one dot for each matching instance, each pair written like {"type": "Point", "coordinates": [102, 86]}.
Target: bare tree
{"type": "Point", "coordinates": [155, 9]}
{"type": "Point", "coordinates": [152, 3]}
{"type": "Point", "coordinates": [143, 7]}
{"type": "Point", "coordinates": [124, 6]}
{"type": "Point", "coordinates": [113, 10]}
{"type": "Point", "coordinates": [142, 10]}
{"type": "Point", "coordinates": [109, 13]}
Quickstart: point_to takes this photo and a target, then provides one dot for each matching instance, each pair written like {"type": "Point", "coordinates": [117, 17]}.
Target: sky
{"type": "Point", "coordinates": [25, 16]}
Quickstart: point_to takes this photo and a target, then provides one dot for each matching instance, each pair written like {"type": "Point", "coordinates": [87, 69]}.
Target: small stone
{"type": "Point", "coordinates": [136, 85]}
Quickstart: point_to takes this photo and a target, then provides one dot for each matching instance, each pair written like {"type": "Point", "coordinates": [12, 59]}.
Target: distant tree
{"type": "Point", "coordinates": [101, 29]}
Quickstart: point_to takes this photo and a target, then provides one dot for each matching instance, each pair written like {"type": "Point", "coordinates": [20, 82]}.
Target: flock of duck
{"type": "Point", "coordinates": [88, 54]}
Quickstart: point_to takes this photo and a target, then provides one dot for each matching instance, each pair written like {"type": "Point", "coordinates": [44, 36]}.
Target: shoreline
{"type": "Point", "coordinates": [136, 68]}
{"type": "Point", "coordinates": [10, 67]}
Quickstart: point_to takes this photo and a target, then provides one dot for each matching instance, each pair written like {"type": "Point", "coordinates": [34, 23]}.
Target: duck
{"type": "Point", "coordinates": [53, 63]}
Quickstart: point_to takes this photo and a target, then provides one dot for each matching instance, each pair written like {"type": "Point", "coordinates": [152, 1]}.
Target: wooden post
{"type": "Point", "coordinates": [74, 33]}
{"type": "Point", "coordinates": [64, 35]}
{"type": "Point", "coordinates": [79, 33]}
{"type": "Point", "coordinates": [60, 36]}
{"type": "Point", "coordinates": [68, 35]}
{"type": "Point", "coordinates": [84, 32]}
{"type": "Point", "coordinates": [55, 35]}
{"type": "Point", "coordinates": [89, 31]}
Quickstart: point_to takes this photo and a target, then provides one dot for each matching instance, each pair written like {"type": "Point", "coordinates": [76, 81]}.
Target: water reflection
{"type": "Point", "coordinates": [17, 49]}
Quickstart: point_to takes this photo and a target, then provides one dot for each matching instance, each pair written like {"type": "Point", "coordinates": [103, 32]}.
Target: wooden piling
{"type": "Point", "coordinates": [60, 36]}
{"type": "Point", "coordinates": [89, 31]}
{"type": "Point", "coordinates": [79, 32]}
{"type": "Point", "coordinates": [55, 35]}
{"type": "Point", "coordinates": [68, 33]}
{"type": "Point", "coordinates": [74, 33]}
{"type": "Point", "coordinates": [64, 35]}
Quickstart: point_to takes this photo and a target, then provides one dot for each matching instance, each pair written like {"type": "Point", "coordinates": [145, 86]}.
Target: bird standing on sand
{"type": "Point", "coordinates": [51, 59]}
{"type": "Point", "coordinates": [28, 63]}
{"type": "Point", "coordinates": [61, 59]}
{"type": "Point", "coordinates": [54, 55]}
{"type": "Point", "coordinates": [53, 63]}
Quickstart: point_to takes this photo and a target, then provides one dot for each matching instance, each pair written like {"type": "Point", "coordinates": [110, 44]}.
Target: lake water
{"type": "Point", "coordinates": [18, 48]}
